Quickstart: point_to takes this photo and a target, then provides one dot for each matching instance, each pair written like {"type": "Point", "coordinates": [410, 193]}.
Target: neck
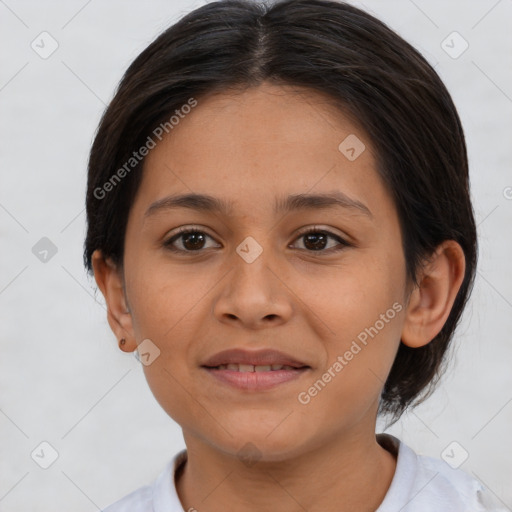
{"type": "Point", "coordinates": [349, 472]}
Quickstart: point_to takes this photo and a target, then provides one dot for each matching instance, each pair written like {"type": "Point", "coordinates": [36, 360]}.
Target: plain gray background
{"type": "Point", "coordinates": [64, 381]}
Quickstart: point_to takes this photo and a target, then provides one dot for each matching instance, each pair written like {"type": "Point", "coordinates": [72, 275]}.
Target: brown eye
{"type": "Point", "coordinates": [193, 240]}
{"type": "Point", "coordinates": [318, 240]}
{"type": "Point", "coordinates": [190, 240]}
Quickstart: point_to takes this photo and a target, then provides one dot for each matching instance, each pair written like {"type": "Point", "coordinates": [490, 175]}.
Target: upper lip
{"type": "Point", "coordinates": [261, 357]}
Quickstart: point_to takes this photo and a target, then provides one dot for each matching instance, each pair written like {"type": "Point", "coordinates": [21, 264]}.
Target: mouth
{"type": "Point", "coordinates": [254, 370]}
{"type": "Point", "coordinates": [244, 359]}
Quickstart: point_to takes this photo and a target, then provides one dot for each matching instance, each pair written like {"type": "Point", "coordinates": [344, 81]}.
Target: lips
{"type": "Point", "coordinates": [253, 361]}
{"type": "Point", "coordinates": [254, 370]}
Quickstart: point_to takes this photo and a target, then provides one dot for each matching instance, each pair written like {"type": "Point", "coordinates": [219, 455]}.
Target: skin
{"type": "Point", "coordinates": [249, 148]}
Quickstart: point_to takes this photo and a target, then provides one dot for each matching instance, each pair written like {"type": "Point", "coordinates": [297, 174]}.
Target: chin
{"type": "Point", "coordinates": [256, 444]}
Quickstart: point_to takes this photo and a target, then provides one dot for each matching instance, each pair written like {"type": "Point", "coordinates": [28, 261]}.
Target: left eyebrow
{"type": "Point", "coordinates": [336, 199]}
{"type": "Point", "coordinates": [210, 204]}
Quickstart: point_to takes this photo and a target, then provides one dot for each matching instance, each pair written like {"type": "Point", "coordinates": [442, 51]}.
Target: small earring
{"type": "Point", "coordinates": [122, 341]}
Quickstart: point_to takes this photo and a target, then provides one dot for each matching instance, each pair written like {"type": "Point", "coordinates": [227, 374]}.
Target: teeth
{"type": "Point", "coordinates": [263, 368]}
{"type": "Point", "coordinates": [252, 368]}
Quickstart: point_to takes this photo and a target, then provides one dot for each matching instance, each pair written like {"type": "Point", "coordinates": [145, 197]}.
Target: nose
{"type": "Point", "coordinates": [254, 294]}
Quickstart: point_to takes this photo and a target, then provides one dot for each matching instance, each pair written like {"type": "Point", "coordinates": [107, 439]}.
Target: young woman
{"type": "Point", "coordinates": [279, 218]}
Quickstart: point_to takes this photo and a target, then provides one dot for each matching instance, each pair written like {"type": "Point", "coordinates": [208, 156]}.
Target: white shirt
{"type": "Point", "coordinates": [420, 484]}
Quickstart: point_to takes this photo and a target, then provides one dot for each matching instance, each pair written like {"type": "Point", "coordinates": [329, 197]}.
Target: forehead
{"type": "Point", "coordinates": [254, 147]}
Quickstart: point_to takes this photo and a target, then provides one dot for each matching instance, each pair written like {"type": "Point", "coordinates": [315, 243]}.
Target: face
{"type": "Point", "coordinates": [251, 277]}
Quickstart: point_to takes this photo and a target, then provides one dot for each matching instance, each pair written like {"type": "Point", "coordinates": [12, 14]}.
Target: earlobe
{"type": "Point", "coordinates": [110, 281]}
{"type": "Point", "coordinates": [431, 302]}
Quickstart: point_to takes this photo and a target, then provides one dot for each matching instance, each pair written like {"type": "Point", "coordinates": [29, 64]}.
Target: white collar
{"type": "Point", "coordinates": [416, 476]}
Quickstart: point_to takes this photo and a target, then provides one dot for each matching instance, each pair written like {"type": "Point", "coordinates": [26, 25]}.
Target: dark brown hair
{"type": "Point", "coordinates": [358, 62]}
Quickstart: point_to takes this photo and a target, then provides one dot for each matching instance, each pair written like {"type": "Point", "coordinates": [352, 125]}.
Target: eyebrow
{"type": "Point", "coordinates": [210, 204]}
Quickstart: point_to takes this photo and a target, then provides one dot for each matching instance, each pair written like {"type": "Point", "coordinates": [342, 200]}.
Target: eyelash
{"type": "Point", "coordinates": [184, 231]}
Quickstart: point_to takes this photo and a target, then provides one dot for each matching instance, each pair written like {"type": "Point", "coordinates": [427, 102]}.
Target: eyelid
{"type": "Point", "coordinates": [185, 229]}
{"type": "Point", "coordinates": [315, 228]}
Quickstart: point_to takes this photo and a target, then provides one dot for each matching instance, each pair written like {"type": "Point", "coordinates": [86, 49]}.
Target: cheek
{"type": "Point", "coordinates": [166, 304]}
{"type": "Point", "coordinates": [166, 298]}
{"type": "Point", "coordinates": [350, 297]}
{"type": "Point", "coordinates": [359, 359]}
{"type": "Point", "coordinates": [362, 306]}
{"type": "Point", "coordinates": [173, 389]}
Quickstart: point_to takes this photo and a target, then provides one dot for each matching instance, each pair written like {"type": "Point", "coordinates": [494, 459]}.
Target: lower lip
{"type": "Point", "coordinates": [256, 381]}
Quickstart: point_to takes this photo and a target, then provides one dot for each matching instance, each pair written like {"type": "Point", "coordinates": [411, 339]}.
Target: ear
{"type": "Point", "coordinates": [431, 302]}
{"type": "Point", "coordinates": [111, 283]}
